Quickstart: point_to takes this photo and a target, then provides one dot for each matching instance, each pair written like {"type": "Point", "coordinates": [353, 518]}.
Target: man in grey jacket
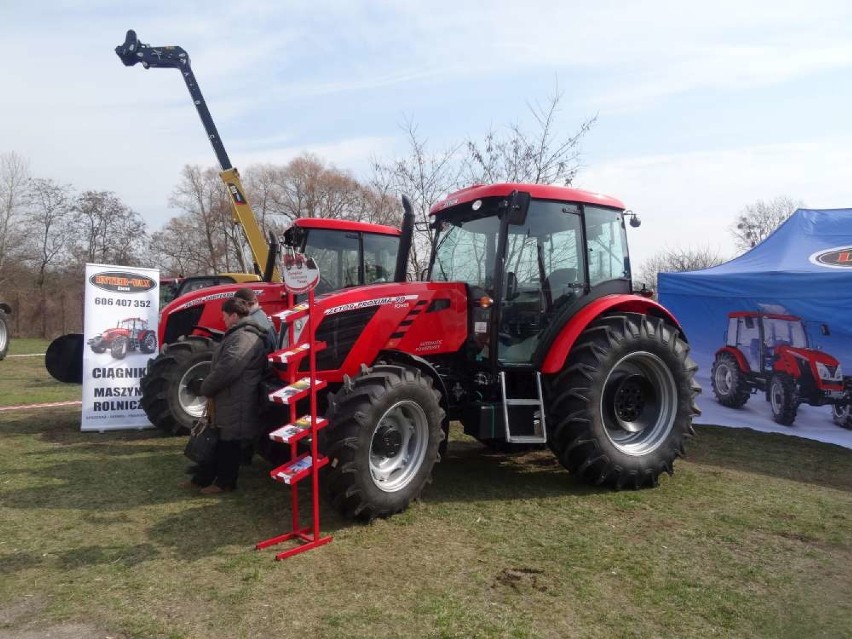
{"type": "Point", "coordinates": [232, 385]}
{"type": "Point", "coordinates": [259, 317]}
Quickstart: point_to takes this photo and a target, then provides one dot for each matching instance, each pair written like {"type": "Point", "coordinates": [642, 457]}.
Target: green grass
{"type": "Point", "coordinates": [750, 538]}
{"type": "Point", "coordinates": [24, 380]}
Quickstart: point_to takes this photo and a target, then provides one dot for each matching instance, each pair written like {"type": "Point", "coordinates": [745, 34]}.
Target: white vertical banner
{"type": "Point", "coordinates": [120, 335]}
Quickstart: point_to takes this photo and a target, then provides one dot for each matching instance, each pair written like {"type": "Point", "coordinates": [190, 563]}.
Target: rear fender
{"type": "Point", "coordinates": [737, 355]}
{"type": "Point", "coordinates": [564, 342]}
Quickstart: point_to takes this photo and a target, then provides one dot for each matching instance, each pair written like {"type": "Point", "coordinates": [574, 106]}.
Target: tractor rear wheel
{"type": "Point", "coordinates": [4, 335]}
{"type": "Point", "coordinates": [783, 397]}
{"type": "Point", "coordinates": [166, 400]}
{"type": "Point", "coordinates": [118, 348]}
{"type": "Point", "coordinates": [382, 441]}
{"type": "Point", "coordinates": [148, 342]}
{"type": "Point", "coordinates": [728, 382]}
{"type": "Point", "coordinates": [621, 409]}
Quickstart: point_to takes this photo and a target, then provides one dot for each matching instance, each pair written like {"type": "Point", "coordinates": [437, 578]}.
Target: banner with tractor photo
{"type": "Point", "coordinates": [120, 334]}
{"type": "Point", "coordinates": [772, 330]}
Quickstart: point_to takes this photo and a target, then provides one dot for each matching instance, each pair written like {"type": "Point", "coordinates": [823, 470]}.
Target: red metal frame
{"type": "Point", "coordinates": [537, 191]}
{"type": "Point", "coordinates": [345, 225]}
{"type": "Point", "coordinates": [294, 470]}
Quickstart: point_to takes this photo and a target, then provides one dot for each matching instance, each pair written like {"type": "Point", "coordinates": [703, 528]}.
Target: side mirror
{"type": "Point", "coordinates": [823, 328]}
{"type": "Point", "coordinates": [511, 286]}
{"type": "Point", "coordinates": [519, 204]}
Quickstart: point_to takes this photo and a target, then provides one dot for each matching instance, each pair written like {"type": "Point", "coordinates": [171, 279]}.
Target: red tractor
{"type": "Point", "coordinates": [349, 254]}
{"type": "Point", "coordinates": [131, 334]}
{"type": "Point", "coordinates": [527, 331]}
{"type": "Point", "coordinates": [772, 353]}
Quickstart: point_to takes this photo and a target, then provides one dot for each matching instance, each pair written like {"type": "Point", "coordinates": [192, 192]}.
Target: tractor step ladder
{"type": "Point", "coordinates": [306, 465]}
{"type": "Point", "coordinates": [535, 407]}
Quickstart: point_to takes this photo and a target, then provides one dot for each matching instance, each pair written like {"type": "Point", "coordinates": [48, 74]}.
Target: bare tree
{"type": "Point", "coordinates": [758, 220]}
{"type": "Point", "coordinates": [49, 213]}
{"type": "Point", "coordinates": [106, 230]}
{"type": "Point", "coordinates": [538, 157]}
{"type": "Point", "coordinates": [675, 261]}
{"type": "Point", "coordinates": [206, 229]}
{"type": "Point", "coordinates": [14, 176]}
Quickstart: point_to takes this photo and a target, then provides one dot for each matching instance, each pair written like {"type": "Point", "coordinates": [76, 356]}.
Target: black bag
{"type": "Point", "coordinates": [201, 447]}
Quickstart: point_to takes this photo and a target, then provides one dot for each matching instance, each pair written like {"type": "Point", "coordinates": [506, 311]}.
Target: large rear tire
{"type": "Point", "coordinates": [166, 400]}
{"type": "Point", "coordinates": [4, 335]}
{"type": "Point", "coordinates": [621, 409]}
{"type": "Point", "coordinates": [783, 398]}
{"type": "Point", "coordinates": [728, 382]}
{"type": "Point", "coordinates": [382, 441]}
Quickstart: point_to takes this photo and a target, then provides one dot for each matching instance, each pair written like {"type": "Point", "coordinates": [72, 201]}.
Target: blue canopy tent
{"type": "Point", "coordinates": [803, 269]}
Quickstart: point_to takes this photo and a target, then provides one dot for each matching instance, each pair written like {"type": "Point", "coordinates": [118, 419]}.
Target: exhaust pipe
{"type": "Point", "coordinates": [271, 257]}
{"type": "Point", "coordinates": [405, 238]}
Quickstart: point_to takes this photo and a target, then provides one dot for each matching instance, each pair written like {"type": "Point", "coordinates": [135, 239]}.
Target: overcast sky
{"type": "Point", "coordinates": [702, 108]}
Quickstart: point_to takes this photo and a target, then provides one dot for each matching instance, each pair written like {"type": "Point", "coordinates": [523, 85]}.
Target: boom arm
{"type": "Point", "coordinates": [133, 51]}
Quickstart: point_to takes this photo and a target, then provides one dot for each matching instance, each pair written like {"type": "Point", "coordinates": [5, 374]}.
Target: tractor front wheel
{"type": "Point", "coordinates": [621, 409]}
{"type": "Point", "coordinates": [382, 441]}
{"type": "Point", "coordinates": [728, 381]}
{"type": "Point", "coordinates": [118, 348]}
{"type": "Point", "coordinates": [166, 398]}
{"type": "Point", "coordinates": [783, 398]}
{"type": "Point", "coordinates": [842, 414]}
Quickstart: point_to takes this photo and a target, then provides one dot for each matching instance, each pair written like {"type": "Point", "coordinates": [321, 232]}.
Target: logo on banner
{"type": "Point", "coordinates": [121, 282]}
{"type": "Point", "coordinates": [301, 273]}
{"type": "Point", "coordinates": [839, 257]}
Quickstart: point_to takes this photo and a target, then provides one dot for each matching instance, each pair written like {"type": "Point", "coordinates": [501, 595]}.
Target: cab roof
{"type": "Point", "coordinates": [345, 225]}
{"type": "Point", "coordinates": [537, 191]}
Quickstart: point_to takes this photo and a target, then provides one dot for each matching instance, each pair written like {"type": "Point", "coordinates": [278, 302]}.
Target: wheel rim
{"type": "Point", "coordinates": [723, 378]}
{"type": "Point", "coordinates": [840, 412]}
{"type": "Point", "coordinates": [776, 395]}
{"type": "Point", "coordinates": [639, 403]}
{"type": "Point", "coordinates": [3, 336]}
{"type": "Point", "coordinates": [398, 446]}
{"type": "Point", "coordinates": [191, 403]}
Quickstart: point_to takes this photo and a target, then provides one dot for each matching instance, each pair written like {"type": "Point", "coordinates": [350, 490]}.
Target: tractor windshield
{"type": "Point", "coordinates": [466, 249]}
{"type": "Point", "coordinates": [778, 332]}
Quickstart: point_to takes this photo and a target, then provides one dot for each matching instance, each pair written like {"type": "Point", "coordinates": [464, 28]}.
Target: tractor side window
{"type": "Point", "coordinates": [608, 259]}
{"type": "Point", "coordinates": [379, 257]}
{"type": "Point", "coordinates": [748, 342]}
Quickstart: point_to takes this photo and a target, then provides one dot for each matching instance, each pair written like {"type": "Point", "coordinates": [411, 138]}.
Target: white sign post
{"type": "Point", "coordinates": [120, 335]}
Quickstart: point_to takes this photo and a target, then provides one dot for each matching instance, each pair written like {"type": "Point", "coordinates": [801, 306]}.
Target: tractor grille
{"type": "Point", "coordinates": [340, 332]}
{"type": "Point", "coordinates": [181, 323]}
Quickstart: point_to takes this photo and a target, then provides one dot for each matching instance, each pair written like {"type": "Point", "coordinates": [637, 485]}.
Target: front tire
{"type": "Point", "coordinates": [842, 415]}
{"type": "Point", "coordinates": [166, 400]}
{"type": "Point", "coordinates": [783, 398]}
{"type": "Point", "coordinates": [382, 441]}
{"type": "Point", "coordinates": [621, 408]}
{"type": "Point", "coordinates": [728, 381]}
{"type": "Point", "coordinates": [118, 348]}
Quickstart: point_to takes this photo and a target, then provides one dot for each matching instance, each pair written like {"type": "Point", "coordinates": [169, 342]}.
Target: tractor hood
{"type": "Point", "coordinates": [808, 354]}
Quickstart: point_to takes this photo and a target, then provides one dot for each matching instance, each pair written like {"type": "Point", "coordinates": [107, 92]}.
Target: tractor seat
{"type": "Point", "coordinates": [560, 282]}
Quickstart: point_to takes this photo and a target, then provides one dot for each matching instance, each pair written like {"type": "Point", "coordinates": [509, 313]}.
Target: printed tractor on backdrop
{"type": "Point", "coordinates": [773, 353]}
{"type": "Point", "coordinates": [131, 334]}
{"type": "Point", "coordinates": [526, 330]}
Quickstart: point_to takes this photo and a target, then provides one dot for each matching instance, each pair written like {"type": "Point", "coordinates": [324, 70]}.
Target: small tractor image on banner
{"type": "Point", "coordinates": [526, 330]}
{"type": "Point", "coordinates": [131, 334]}
{"type": "Point", "coordinates": [772, 353]}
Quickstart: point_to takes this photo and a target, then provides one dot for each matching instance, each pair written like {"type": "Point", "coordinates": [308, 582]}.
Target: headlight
{"type": "Point", "coordinates": [825, 373]}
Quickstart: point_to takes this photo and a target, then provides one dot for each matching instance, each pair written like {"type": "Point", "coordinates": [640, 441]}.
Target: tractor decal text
{"type": "Point", "coordinates": [379, 301]}
{"type": "Point", "coordinates": [838, 257]}
{"type": "Point", "coordinates": [119, 282]}
{"type": "Point", "coordinates": [206, 298]}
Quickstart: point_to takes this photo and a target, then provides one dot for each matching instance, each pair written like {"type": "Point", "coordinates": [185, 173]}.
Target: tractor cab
{"type": "Point", "coordinates": [530, 263]}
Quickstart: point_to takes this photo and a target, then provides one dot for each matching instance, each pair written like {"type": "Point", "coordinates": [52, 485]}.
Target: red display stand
{"type": "Point", "coordinates": [305, 466]}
